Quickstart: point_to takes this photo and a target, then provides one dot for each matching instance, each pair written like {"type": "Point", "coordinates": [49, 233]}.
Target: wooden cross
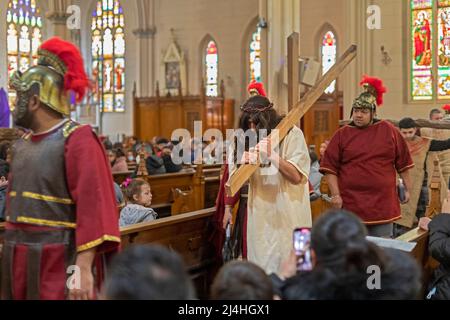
{"type": "Point", "coordinates": [293, 72]}
{"type": "Point", "coordinates": [244, 172]}
{"type": "Point", "coordinates": [421, 123]}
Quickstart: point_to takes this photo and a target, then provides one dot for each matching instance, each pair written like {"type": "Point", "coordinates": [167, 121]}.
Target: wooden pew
{"type": "Point", "coordinates": [211, 174]}
{"type": "Point", "coordinates": [187, 234]}
{"type": "Point", "coordinates": [421, 254]}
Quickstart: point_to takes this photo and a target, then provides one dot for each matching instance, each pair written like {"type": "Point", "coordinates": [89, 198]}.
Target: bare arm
{"type": "Point", "coordinates": [84, 261]}
{"type": "Point", "coordinates": [332, 181]}
{"type": "Point", "coordinates": [287, 169]}
{"type": "Point", "coordinates": [407, 182]}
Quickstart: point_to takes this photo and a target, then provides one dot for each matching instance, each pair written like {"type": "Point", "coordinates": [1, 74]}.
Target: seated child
{"type": "Point", "coordinates": [139, 199]}
{"type": "Point", "coordinates": [4, 171]}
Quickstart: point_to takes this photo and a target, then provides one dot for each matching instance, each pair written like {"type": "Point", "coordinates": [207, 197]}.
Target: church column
{"type": "Point", "coordinates": [283, 19]}
{"type": "Point", "coordinates": [145, 34]}
{"type": "Point", "coordinates": [357, 33]}
{"type": "Point", "coordinates": [262, 9]}
{"type": "Point", "coordinates": [145, 83]}
{"type": "Point", "coordinates": [57, 25]}
{"type": "Point", "coordinates": [57, 19]}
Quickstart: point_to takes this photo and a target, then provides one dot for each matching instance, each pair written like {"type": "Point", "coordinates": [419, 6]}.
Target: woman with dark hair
{"type": "Point", "coordinates": [342, 257]}
{"type": "Point", "coordinates": [278, 196]}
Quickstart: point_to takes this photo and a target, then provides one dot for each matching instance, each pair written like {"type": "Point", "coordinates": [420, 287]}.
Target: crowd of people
{"type": "Point", "coordinates": [61, 204]}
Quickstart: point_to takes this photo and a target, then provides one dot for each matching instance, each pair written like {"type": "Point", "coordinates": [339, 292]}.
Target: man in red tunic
{"type": "Point", "coordinates": [61, 212]}
{"type": "Point", "coordinates": [361, 164]}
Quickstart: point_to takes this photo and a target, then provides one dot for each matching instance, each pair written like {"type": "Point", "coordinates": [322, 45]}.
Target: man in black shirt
{"type": "Point", "coordinates": [419, 148]}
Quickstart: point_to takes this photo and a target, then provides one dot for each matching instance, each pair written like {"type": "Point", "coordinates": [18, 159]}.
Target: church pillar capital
{"type": "Point", "coordinates": [145, 33]}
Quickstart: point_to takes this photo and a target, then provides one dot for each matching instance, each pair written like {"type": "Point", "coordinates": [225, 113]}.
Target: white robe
{"type": "Point", "coordinates": [276, 207]}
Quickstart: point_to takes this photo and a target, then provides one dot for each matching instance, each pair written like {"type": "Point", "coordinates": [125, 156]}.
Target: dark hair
{"type": "Point", "coordinates": [117, 145]}
{"type": "Point", "coordinates": [343, 256]}
{"type": "Point", "coordinates": [107, 144]}
{"type": "Point", "coordinates": [162, 141]}
{"type": "Point", "coordinates": [313, 156]}
{"type": "Point", "coordinates": [407, 123]}
{"type": "Point", "coordinates": [4, 149]}
{"type": "Point", "coordinates": [434, 111]}
{"type": "Point", "coordinates": [119, 152]}
{"type": "Point", "coordinates": [148, 272]}
{"type": "Point", "coordinates": [4, 169]}
{"type": "Point", "coordinates": [241, 280]}
{"type": "Point", "coordinates": [267, 119]}
{"type": "Point", "coordinates": [338, 239]}
{"type": "Point", "coordinates": [134, 188]}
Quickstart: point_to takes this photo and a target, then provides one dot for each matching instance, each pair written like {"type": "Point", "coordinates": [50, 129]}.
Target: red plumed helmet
{"type": "Point", "coordinates": [446, 107]}
{"type": "Point", "coordinates": [256, 89]}
{"type": "Point", "coordinates": [375, 87]}
{"type": "Point", "coordinates": [75, 78]}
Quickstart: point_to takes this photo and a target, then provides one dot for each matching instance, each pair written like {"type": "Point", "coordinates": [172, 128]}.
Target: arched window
{"type": "Point", "coordinates": [329, 51]}
{"type": "Point", "coordinates": [23, 36]}
{"type": "Point", "coordinates": [430, 50]}
{"type": "Point", "coordinates": [255, 55]}
{"type": "Point", "coordinates": [212, 69]}
{"type": "Point", "coordinates": [108, 56]}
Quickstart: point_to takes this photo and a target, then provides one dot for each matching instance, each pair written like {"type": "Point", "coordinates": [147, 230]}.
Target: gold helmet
{"type": "Point", "coordinates": [60, 70]}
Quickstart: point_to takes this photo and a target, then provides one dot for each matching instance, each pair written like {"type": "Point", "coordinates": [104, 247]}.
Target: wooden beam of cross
{"type": "Point", "coordinates": [244, 172]}
{"type": "Point", "coordinates": [421, 123]}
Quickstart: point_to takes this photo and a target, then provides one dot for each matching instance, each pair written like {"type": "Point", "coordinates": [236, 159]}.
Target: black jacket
{"type": "Point", "coordinates": [2, 202]}
{"type": "Point", "coordinates": [439, 247]}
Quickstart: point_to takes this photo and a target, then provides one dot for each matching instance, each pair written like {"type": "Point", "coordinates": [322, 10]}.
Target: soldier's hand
{"type": "Point", "coordinates": [336, 202]}
{"type": "Point", "coordinates": [86, 289]}
{"type": "Point", "coordinates": [407, 197]}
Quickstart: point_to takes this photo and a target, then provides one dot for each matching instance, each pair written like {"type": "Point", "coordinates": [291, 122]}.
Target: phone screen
{"type": "Point", "coordinates": [302, 242]}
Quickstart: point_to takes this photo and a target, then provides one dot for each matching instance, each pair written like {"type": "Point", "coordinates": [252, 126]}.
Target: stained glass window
{"type": "Point", "coordinates": [212, 66]}
{"type": "Point", "coordinates": [422, 50]}
{"type": "Point", "coordinates": [443, 18]}
{"type": "Point", "coordinates": [329, 52]}
{"type": "Point", "coordinates": [108, 56]}
{"type": "Point", "coordinates": [23, 36]}
{"type": "Point", "coordinates": [255, 55]}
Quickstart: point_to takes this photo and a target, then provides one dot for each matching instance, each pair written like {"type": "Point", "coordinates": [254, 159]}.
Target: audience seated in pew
{"type": "Point", "coordinates": [241, 280]}
{"type": "Point", "coordinates": [148, 272]}
{"type": "Point", "coordinates": [341, 257]}
{"type": "Point", "coordinates": [439, 247]}
{"type": "Point", "coordinates": [139, 199]}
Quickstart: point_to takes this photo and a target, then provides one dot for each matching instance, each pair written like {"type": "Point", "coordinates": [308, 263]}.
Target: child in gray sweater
{"type": "Point", "coordinates": [139, 199]}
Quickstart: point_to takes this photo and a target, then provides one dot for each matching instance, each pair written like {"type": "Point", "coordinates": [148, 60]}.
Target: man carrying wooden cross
{"type": "Point", "coordinates": [278, 200]}
{"type": "Point", "coordinates": [361, 162]}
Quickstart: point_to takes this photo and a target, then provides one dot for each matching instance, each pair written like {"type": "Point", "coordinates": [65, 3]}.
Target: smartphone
{"type": "Point", "coordinates": [302, 247]}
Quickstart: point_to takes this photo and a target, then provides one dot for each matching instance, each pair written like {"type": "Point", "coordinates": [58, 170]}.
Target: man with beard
{"type": "Point", "coordinates": [419, 148]}
{"type": "Point", "coordinates": [61, 213]}
{"type": "Point", "coordinates": [362, 160]}
{"type": "Point", "coordinates": [278, 192]}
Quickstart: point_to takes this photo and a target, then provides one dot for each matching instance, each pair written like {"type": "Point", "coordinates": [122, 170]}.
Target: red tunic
{"type": "Point", "coordinates": [365, 162]}
{"type": "Point", "coordinates": [90, 185]}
